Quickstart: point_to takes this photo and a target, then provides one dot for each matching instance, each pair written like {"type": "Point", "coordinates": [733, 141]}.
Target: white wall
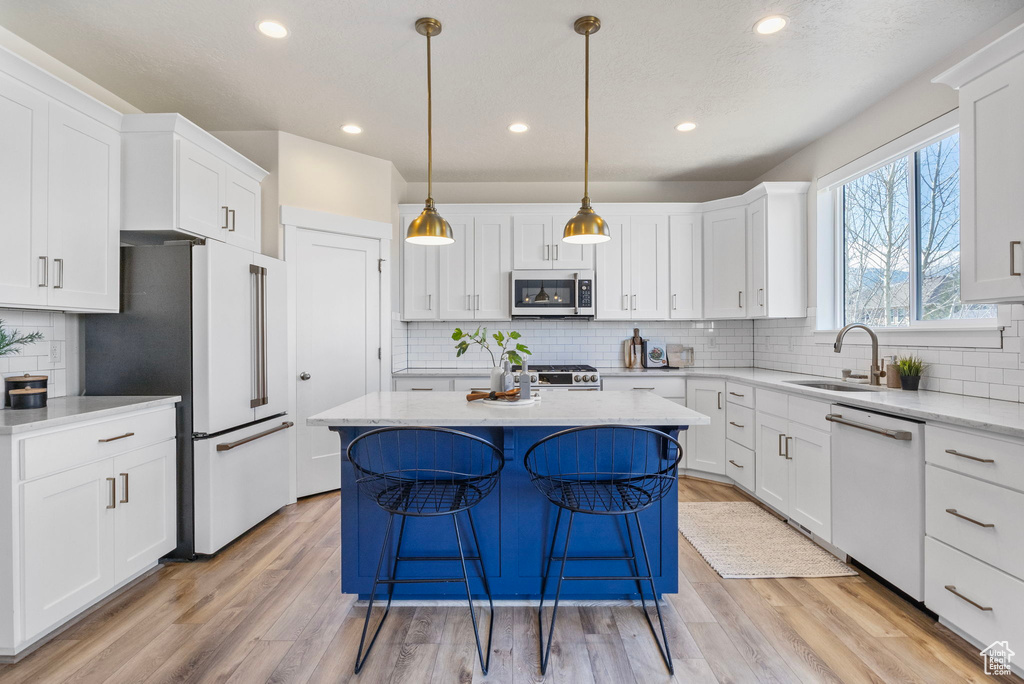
{"type": "Point", "coordinates": [640, 191]}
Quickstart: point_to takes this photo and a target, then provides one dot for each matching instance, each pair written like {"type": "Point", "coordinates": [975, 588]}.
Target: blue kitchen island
{"type": "Point", "coordinates": [516, 521]}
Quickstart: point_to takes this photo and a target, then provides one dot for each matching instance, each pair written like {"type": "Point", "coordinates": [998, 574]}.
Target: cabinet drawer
{"type": "Point", "coordinates": [810, 413]}
{"type": "Point", "coordinates": [74, 446]}
{"type": "Point", "coordinates": [740, 425]}
{"type": "Point", "coordinates": [1002, 544]}
{"type": "Point", "coordinates": [980, 455]}
{"type": "Point", "coordinates": [739, 394]}
{"type": "Point", "coordinates": [467, 384]}
{"type": "Point", "coordinates": [423, 384]}
{"type": "Point", "coordinates": [739, 465]}
{"type": "Point", "coordinates": [662, 386]}
{"type": "Point", "coordinates": [945, 567]}
{"type": "Point", "coordinates": [775, 403]}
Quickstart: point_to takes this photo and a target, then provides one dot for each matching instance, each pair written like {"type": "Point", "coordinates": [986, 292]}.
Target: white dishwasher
{"type": "Point", "coordinates": [878, 494]}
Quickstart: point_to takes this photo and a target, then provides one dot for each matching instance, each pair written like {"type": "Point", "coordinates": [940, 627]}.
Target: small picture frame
{"type": "Point", "coordinates": [655, 354]}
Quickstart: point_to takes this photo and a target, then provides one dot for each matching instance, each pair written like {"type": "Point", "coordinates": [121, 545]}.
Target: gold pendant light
{"type": "Point", "coordinates": [586, 227]}
{"type": "Point", "coordinates": [429, 228]}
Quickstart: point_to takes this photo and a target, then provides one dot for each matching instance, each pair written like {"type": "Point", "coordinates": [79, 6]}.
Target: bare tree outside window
{"type": "Point", "coordinates": [902, 253]}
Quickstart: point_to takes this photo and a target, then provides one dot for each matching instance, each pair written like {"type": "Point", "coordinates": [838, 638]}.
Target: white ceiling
{"type": "Point", "coordinates": [655, 63]}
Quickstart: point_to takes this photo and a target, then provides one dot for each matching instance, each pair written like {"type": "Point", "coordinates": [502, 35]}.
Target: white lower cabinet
{"type": "Point", "coordinates": [810, 475]}
{"type": "Point", "coordinates": [772, 462]}
{"type": "Point", "coordinates": [84, 521]}
{"type": "Point", "coordinates": [705, 444]}
{"type": "Point", "coordinates": [739, 464]}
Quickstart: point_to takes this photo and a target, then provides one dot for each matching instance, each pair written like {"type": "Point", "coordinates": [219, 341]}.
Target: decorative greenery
{"type": "Point", "coordinates": [506, 342]}
{"type": "Point", "coordinates": [910, 366]}
{"type": "Point", "coordinates": [11, 339]}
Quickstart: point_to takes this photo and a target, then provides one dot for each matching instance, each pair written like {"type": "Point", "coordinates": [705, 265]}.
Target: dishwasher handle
{"type": "Point", "coordinates": [901, 435]}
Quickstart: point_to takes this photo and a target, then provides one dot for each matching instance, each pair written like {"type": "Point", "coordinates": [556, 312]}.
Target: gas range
{"type": "Point", "coordinates": [564, 377]}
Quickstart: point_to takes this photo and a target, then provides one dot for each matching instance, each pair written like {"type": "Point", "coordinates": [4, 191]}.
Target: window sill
{"type": "Point", "coordinates": [982, 338]}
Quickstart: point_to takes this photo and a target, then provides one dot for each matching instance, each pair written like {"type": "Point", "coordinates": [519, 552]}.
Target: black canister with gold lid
{"type": "Point", "coordinates": [26, 381]}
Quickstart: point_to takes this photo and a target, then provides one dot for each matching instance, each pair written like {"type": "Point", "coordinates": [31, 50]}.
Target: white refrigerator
{"type": "Point", "coordinates": [206, 321]}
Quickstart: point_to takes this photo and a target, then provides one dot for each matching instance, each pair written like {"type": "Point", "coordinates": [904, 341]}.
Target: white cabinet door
{"type": "Point", "coordinates": [648, 260]}
{"type": "Point", "coordinates": [531, 242]}
{"type": "Point", "coordinates": [772, 464]}
{"type": "Point", "coordinates": [685, 266]}
{"type": "Point", "coordinates": [420, 283]}
{"type": "Point", "coordinates": [493, 263]}
{"type": "Point", "coordinates": [145, 525]}
{"type": "Point", "coordinates": [757, 256]}
{"type": "Point", "coordinates": [457, 302]}
{"type": "Point", "coordinates": [242, 198]}
{"type": "Point", "coordinates": [612, 273]}
{"type": "Point", "coordinates": [202, 207]}
{"type": "Point", "coordinates": [991, 178]}
{"type": "Point", "coordinates": [24, 268]}
{"type": "Point", "coordinates": [84, 200]}
{"type": "Point", "coordinates": [67, 543]}
{"type": "Point", "coordinates": [810, 479]}
{"type": "Point", "coordinates": [565, 255]}
{"type": "Point", "coordinates": [725, 267]}
{"type": "Point", "coordinates": [705, 444]}
{"type": "Point", "coordinates": [223, 336]}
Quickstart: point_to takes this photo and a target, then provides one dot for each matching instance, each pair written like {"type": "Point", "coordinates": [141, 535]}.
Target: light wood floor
{"type": "Point", "coordinates": [269, 609]}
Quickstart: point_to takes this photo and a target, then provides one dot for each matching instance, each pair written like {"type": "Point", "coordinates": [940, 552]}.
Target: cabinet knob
{"type": "Point", "coordinates": [304, 376]}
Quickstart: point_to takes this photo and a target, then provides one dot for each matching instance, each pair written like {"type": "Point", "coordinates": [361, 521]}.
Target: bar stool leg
{"type": "Point", "coordinates": [546, 650]}
{"type": "Point", "coordinates": [487, 588]}
{"type": "Point", "coordinates": [665, 652]}
{"type": "Point", "coordinates": [484, 662]}
{"type": "Point", "coordinates": [360, 656]}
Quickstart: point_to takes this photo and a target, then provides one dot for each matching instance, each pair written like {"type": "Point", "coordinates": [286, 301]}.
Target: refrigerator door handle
{"type": "Point", "coordinates": [259, 336]}
{"type": "Point", "coordinates": [263, 336]}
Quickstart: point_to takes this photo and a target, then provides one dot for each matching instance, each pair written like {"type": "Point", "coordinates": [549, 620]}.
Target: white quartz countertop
{"type": "Point", "coordinates": [562, 409]}
{"type": "Point", "coordinates": [66, 410]}
{"type": "Point", "coordinates": [1005, 417]}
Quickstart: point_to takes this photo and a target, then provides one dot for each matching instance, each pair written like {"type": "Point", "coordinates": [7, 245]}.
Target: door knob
{"type": "Point", "coordinates": [304, 376]}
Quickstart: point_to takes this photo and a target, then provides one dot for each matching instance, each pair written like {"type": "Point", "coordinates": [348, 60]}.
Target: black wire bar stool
{"type": "Point", "coordinates": [425, 472]}
{"type": "Point", "coordinates": [606, 470]}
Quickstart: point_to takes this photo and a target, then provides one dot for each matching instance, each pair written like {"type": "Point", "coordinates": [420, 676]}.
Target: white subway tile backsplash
{"type": "Point", "coordinates": [35, 358]}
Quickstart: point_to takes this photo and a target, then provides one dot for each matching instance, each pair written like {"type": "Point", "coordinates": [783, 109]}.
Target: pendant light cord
{"type": "Point", "coordinates": [586, 123]}
{"type": "Point", "coordinates": [430, 141]}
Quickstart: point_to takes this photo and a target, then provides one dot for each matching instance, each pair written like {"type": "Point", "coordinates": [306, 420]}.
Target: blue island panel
{"type": "Point", "coordinates": [514, 525]}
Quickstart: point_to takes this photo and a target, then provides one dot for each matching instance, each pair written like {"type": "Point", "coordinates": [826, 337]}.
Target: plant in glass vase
{"type": "Point", "coordinates": [506, 344]}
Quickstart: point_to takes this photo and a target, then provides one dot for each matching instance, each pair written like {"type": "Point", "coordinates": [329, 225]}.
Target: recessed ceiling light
{"type": "Point", "coordinates": [772, 24]}
{"type": "Point", "coordinates": [272, 29]}
{"type": "Point", "coordinates": [352, 128]}
{"type": "Point", "coordinates": [518, 127]}
{"type": "Point", "coordinates": [686, 126]}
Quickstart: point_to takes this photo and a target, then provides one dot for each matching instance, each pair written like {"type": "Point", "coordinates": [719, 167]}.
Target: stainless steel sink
{"type": "Point", "coordinates": [831, 386]}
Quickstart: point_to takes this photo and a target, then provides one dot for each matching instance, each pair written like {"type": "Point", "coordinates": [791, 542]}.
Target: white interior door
{"type": "Point", "coordinates": [23, 264]}
{"type": "Point", "coordinates": [337, 295]}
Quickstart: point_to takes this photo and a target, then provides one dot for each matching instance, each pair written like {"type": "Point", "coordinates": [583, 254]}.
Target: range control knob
{"type": "Point", "coordinates": [576, 378]}
{"type": "Point", "coordinates": [588, 378]}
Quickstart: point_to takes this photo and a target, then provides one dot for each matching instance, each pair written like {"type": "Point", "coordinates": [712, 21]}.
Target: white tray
{"type": "Point", "coordinates": [502, 402]}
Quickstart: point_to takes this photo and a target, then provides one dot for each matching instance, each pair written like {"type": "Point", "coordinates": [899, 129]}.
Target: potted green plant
{"type": "Point", "coordinates": [507, 345]}
{"type": "Point", "coordinates": [910, 368]}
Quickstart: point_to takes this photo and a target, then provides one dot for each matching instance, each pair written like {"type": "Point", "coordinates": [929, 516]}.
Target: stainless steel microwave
{"type": "Point", "coordinates": [561, 294]}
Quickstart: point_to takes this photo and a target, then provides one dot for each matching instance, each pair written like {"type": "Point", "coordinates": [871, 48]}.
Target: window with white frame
{"type": "Point", "coordinates": [898, 242]}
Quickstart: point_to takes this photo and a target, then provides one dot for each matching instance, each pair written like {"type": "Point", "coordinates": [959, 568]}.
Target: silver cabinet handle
{"type": "Point", "coordinates": [469, 302]}
{"type": "Point", "coordinates": [1013, 258]}
{"type": "Point", "coordinates": [719, 401]}
{"type": "Point", "coordinates": [625, 302]}
{"type": "Point", "coordinates": [951, 588]}
{"type": "Point", "coordinates": [44, 271]}
{"type": "Point", "coordinates": [59, 265]}
{"type": "Point", "coordinates": [781, 437]}
{"type": "Point", "coordinates": [760, 297]}
{"type": "Point", "coordinates": [425, 389]}
{"type": "Point", "coordinates": [114, 439]}
{"type": "Point", "coordinates": [674, 307]}
{"type": "Point", "coordinates": [735, 424]}
{"type": "Point", "coordinates": [225, 226]}
{"type": "Point", "coordinates": [304, 376]}
{"type": "Point", "coordinates": [232, 228]}
{"type": "Point", "coordinates": [740, 298]}
{"type": "Point", "coordinates": [430, 304]}
{"type": "Point", "coordinates": [478, 302]}
{"type": "Point", "coordinates": [231, 445]}
{"type": "Point", "coordinates": [124, 486]}
{"type": "Point", "coordinates": [902, 435]}
{"type": "Point", "coordinates": [953, 511]}
{"type": "Point", "coordinates": [954, 452]}
{"type": "Point", "coordinates": [644, 388]}
{"type": "Point", "coordinates": [547, 252]}
{"type": "Point", "coordinates": [634, 302]}
{"type": "Point", "coordinates": [788, 440]}
{"type": "Point", "coordinates": [555, 248]}
{"type": "Point", "coordinates": [113, 492]}
{"type": "Point", "coordinates": [736, 464]}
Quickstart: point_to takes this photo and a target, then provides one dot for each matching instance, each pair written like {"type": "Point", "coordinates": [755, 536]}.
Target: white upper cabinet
{"type": "Point", "coordinates": [632, 269]}
{"type": "Point", "coordinates": [991, 85]}
{"type": "Point", "coordinates": [686, 268]}
{"type": "Point", "coordinates": [60, 194]}
{"type": "Point", "coordinates": [180, 179]}
{"type": "Point", "coordinates": [537, 244]}
{"type": "Point", "coordinates": [464, 281]}
{"type": "Point", "coordinates": [725, 263]}
{"type": "Point", "coordinates": [777, 252]}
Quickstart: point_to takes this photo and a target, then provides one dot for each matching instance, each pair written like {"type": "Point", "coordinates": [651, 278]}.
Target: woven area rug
{"type": "Point", "coordinates": [741, 540]}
